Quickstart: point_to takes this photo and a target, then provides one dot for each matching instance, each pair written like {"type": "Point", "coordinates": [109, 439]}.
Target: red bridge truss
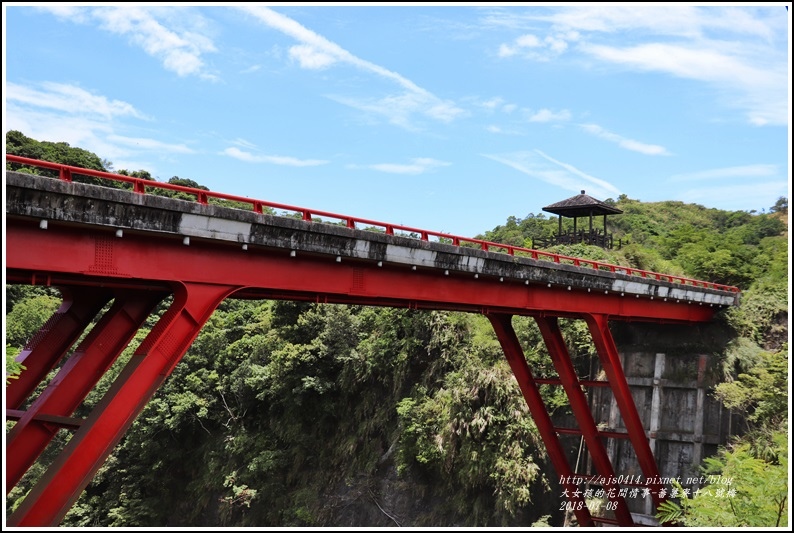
{"type": "Point", "coordinates": [116, 254]}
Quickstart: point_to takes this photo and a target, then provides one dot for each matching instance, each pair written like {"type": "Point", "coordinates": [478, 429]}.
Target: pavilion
{"type": "Point", "coordinates": [575, 207]}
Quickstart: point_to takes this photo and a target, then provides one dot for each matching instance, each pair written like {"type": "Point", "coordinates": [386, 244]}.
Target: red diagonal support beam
{"type": "Point", "coordinates": [76, 378]}
{"type": "Point", "coordinates": [610, 361]}
{"type": "Point", "coordinates": [50, 499]}
{"type": "Point", "coordinates": [503, 326]}
{"type": "Point", "coordinates": [54, 339]}
{"type": "Point", "coordinates": [550, 330]}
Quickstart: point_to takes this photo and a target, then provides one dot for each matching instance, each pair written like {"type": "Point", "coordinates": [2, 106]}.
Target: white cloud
{"type": "Point", "coordinates": [68, 99]}
{"type": "Point", "coordinates": [645, 19]}
{"type": "Point", "coordinates": [244, 143]}
{"type": "Point", "coordinates": [150, 144]}
{"type": "Point", "coordinates": [546, 115]}
{"type": "Point", "coordinates": [493, 103]}
{"type": "Point", "coordinates": [310, 57]}
{"type": "Point", "coordinates": [179, 50]}
{"type": "Point", "coordinates": [746, 171]}
{"type": "Point", "coordinates": [740, 51]}
{"type": "Point", "coordinates": [248, 157]}
{"type": "Point", "coordinates": [61, 112]}
{"type": "Point", "coordinates": [538, 165]}
{"type": "Point", "coordinates": [741, 197]}
{"type": "Point", "coordinates": [73, 13]}
{"type": "Point", "coordinates": [317, 52]}
{"type": "Point", "coordinates": [628, 144]}
{"type": "Point", "coordinates": [533, 47]}
{"type": "Point", "coordinates": [417, 166]}
{"type": "Point", "coordinates": [93, 133]}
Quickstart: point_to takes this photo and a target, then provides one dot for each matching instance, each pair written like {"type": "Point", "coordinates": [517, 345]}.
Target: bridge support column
{"type": "Point", "coordinates": [502, 324]}
{"type": "Point", "coordinates": [550, 330]}
{"type": "Point", "coordinates": [54, 494]}
{"type": "Point", "coordinates": [38, 424]}
{"type": "Point", "coordinates": [53, 340]}
{"type": "Point", "coordinates": [610, 361]}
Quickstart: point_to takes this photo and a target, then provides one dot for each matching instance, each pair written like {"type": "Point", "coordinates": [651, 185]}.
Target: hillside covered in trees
{"type": "Point", "coordinates": [298, 414]}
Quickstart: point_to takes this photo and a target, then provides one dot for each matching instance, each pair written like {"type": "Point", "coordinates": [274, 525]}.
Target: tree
{"type": "Point", "coordinates": [13, 369]}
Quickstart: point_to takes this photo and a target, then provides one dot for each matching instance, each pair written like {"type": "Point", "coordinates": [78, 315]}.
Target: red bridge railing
{"type": "Point", "coordinates": [141, 186]}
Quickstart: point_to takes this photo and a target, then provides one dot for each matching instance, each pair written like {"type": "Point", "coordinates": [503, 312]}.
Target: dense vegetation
{"type": "Point", "coordinates": [296, 414]}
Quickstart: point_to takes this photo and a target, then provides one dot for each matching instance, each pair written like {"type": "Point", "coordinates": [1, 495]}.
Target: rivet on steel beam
{"type": "Point", "coordinates": [380, 263]}
{"type": "Point", "coordinates": [119, 233]}
{"type": "Point", "coordinates": [186, 241]}
{"type": "Point", "coordinates": [293, 253]}
{"type": "Point", "coordinates": [245, 247]}
{"type": "Point", "coordinates": [43, 224]}
{"type": "Point", "coordinates": [338, 258]}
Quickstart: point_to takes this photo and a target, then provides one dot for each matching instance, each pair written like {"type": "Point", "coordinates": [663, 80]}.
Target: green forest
{"type": "Point", "coordinates": [297, 414]}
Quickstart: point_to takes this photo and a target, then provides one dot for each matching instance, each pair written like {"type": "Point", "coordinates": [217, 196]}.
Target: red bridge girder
{"type": "Point", "coordinates": [137, 271]}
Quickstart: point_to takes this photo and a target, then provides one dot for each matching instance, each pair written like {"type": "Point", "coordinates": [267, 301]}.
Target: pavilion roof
{"type": "Point", "coordinates": [581, 205]}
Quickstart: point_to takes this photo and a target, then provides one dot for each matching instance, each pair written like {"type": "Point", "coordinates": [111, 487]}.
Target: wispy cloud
{"type": "Point", "coordinates": [742, 172]}
{"type": "Point", "coordinates": [739, 52]}
{"type": "Point", "coordinates": [547, 115]}
{"type": "Point", "coordinates": [532, 47]}
{"type": "Point", "coordinates": [315, 52]}
{"type": "Point", "coordinates": [538, 165]}
{"type": "Point", "coordinates": [763, 195]}
{"type": "Point", "coordinates": [67, 113]}
{"type": "Point", "coordinates": [180, 50]}
{"type": "Point", "coordinates": [248, 157]}
{"type": "Point", "coordinates": [141, 143]}
{"type": "Point", "coordinates": [628, 144]}
{"type": "Point", "coordinates": [761, 91]}
{"type": "Point", "coordinates": [69, 99]}
{"type": "Point", "coordinates": [419, 165]}
{"type": "Point", "coordinates": [493, 128]}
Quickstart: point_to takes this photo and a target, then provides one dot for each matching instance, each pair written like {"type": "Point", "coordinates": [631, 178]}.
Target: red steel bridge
{"type": "Point", "coordinates": [115, 253]}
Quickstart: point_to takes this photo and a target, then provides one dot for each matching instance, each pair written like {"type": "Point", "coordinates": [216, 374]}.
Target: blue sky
{"type": "Point", "coordinates": [445, 117]}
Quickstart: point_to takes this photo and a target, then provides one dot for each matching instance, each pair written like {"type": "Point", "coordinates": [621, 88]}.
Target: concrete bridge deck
{"type": "Point", "coordinates": [131, 215]}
